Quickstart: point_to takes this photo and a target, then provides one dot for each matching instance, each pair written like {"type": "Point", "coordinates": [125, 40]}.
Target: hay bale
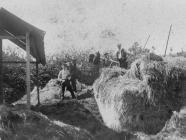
{"type": "Point", "coordinates": [116, 109]}
{"type": "Point", "coordinates": [141, 97]}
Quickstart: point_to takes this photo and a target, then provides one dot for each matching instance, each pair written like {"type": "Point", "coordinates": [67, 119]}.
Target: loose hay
{"type": "Point", "coordinates": [22, 124]}
{"type": "Point", "coordinates": [141, 97]}
{"type": "Point", "coordinates": [49, 94]}
{"type": "Point", "coordinates": [174, 128]}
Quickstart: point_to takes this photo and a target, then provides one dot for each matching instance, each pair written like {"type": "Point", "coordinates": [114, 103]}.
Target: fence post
{"type": "Point", "coordinates": [28, 69]}
{"type": "Point", "coordinates": [37, 80]}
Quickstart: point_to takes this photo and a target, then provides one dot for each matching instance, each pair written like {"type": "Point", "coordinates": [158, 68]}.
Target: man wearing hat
{"type": "Point", "coordinates": [121, 56]}
{"type": "Point", "coordinates": [73, 73]}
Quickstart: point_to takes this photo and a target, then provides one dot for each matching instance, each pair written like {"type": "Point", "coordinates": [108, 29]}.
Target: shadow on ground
{"type": "Point", "coordinates": [88, 94]}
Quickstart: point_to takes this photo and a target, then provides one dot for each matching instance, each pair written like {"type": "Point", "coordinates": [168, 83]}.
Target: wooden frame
{"type": "Point", "coordinates": [28, 62]}
{"type": "Point", "coordinates": [28, 69]}
{"type": "Point", "coordinates": [37, 74]}
{"type": "Point", "coordinates": [11, 37]}
{"type": "Point", "coordinates": [1, 73]}
{"type": "Point", "coordinates": [18, 62]}
{"type": "Point", "coordinates": [27, 37]}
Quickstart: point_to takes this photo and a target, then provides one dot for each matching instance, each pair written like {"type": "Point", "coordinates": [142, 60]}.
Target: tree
{"type": "Point", "coordinates": [136, 49]}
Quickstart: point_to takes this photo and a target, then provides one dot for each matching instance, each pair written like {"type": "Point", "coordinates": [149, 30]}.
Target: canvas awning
{"type": "Point", "coordinates": [13, 26]}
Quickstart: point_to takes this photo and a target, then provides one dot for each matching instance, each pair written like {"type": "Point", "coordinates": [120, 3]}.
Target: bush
{"type": "Point", "coordinates": [15, 74]}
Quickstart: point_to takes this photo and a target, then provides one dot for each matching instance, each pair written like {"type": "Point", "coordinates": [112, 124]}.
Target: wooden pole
{"type": "Point", "coordinates": [1, 73]}
{"type": "Point", "coordinates": [28, 69]}
{"type": "Point", "coordinates": [146, 41]}
{"type": "Point", "coordinates": [168, 40]}
{"type": "Point", "coordinates": [37, 78]}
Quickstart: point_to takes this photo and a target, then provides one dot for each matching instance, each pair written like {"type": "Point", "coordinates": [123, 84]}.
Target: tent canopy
{"type": "Point", "coordinates": [11, 25]}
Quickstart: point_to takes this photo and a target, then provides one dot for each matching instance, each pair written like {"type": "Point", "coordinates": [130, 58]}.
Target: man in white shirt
{"type": "Point", "coordinates": [65, 78]}
{"type": "Point", "coordinates": [121, 56]}
{"type": "Point", "coordinates": [118, 54]}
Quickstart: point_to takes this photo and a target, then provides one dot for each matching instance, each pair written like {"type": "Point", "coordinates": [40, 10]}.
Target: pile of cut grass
{"type": "Point", "coordinates": [163, 78]}
{"type": "Point", "coordinates": [143, 97]}
{"type": "Point", "coordinates": [174, 129]}
{"type": "Point", "coordinates": [49, 94]}
{"type": "Point", "coordinates": [23, 124]}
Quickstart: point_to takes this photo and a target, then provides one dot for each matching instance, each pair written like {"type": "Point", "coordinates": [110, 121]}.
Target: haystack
{"type": "Point", "coordinates": [48, 95]}
{"type": "Point", "coordinates": [22, 124]}
{"type": "Point", "coordinates": [142, 97]}
{"type": "Point", "coordinates": [174, 129]}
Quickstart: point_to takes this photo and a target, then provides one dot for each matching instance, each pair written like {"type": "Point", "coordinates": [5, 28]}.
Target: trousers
{"type": "Point", "coordinates": [67, 85]}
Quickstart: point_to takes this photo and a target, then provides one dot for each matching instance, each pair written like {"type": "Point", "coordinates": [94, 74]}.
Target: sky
{"type": "Point", "coordinates": [102, 24]}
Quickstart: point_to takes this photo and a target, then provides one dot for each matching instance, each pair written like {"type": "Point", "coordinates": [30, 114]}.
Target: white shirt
{"type": "Point", "coordinates": [63, 74]}
{"type": "Point", "coordinates": [119, 55]}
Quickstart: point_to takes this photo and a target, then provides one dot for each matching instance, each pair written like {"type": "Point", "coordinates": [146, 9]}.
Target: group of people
{"type": "Point", "coordinates": [67, 75]}
{"type": "Point", "coordinates": [121, 57]}
{"type": "Point", "coordinates": [95, 58]}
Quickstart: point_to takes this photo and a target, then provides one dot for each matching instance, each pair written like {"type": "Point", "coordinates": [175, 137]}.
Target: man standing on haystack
{"type": "Point", "coordinates": [73, 73]}
{"type": "Point", "coordinates": [121, 56]}
{"type": "Point", "coordinates": [65, 78]}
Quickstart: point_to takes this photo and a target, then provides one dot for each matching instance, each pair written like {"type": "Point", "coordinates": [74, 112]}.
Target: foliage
{"type": "Point", "coordinates": [136, 49]}
{"type": "Point", "coordinates": [182, 53]}
{"type": "Point", "coordinates": [15, 75]}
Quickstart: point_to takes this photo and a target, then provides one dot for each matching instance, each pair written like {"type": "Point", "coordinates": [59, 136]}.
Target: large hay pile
{"type": "Point", "coordinates": [174, 129]}
{"type": "Point", "coordinates": [143, 97]}
{"type": "Point", "coordinates": [22, 124]}
{"type": "Point", "coordinates": [49, 94]}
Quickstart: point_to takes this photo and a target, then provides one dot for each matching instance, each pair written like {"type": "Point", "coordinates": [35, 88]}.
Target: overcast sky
{"type": "Point", "coordinates": [104, 23]}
